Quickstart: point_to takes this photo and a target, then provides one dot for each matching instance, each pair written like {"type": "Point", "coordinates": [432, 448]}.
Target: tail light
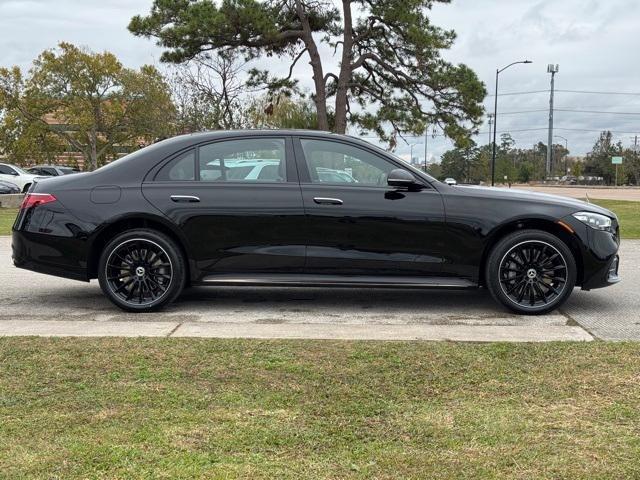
{"type": "Point", "coordinates": [36, 199]}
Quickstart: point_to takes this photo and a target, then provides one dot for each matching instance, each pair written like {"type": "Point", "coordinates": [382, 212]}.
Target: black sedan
{"type": "Point", "coordinates": [8, 188]}
{"type": "Point", "coordinates": [302, 208]}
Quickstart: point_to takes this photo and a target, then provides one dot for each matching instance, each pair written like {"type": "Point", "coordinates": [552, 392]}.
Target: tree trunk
{"type": "Point", "coordinates": [345, 70]}
{"type": "Point", "coordinates": [320, 98]}
{"type": "Point", "coordinates": [93, 150]}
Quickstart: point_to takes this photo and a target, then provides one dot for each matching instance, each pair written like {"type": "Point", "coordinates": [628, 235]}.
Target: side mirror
{"type": "Point", "coordinates": [401, 178]}
{"type": "Point", "coordinates": [14, 173]}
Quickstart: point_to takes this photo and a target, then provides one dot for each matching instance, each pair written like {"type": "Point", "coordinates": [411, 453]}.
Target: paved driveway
{"type": "Point", "coordinates": [31, 303]}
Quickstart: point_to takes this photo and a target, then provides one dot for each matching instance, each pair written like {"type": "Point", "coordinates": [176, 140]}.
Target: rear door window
{"type": "Point", "coordinates": [181, 168]}
{"type": "Point", "coordinates": [245, 160]}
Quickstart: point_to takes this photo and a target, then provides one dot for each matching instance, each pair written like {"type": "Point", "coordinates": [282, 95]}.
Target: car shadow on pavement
{"type": "Point", "coordinates": [350, 305]}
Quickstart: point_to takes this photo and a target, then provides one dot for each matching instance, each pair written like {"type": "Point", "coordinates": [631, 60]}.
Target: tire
{"type": "Point", "coordinates": [26, 188]}
{"type": "Point", "coordinates": [530, 272]}
{"type": "Point", "coordinates": [141, 270]}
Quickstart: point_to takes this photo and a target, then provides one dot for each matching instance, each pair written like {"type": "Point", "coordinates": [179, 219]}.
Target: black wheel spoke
{"type": "Point", "coordinates": [139, 271]}
{"type": "Point", "coordinates": [540, 292]}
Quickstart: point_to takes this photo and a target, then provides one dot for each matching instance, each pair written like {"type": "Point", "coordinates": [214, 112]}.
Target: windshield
{"type": "Point", "coordinates": [18, 169]}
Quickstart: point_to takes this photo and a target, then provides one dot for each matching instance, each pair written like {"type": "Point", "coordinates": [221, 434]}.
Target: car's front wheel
{"type": "Point", "coordinates": [141, 270]}
{"type": "Point", "coordinates": [531, 272]}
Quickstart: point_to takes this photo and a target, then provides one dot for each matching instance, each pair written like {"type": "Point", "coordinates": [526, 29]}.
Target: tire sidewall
{"type": "Point", "coordinates": [492, 279]}
{"type": "Point", "coordinates": [177, 265]}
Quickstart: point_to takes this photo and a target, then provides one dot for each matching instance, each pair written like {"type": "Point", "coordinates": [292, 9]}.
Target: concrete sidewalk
{"type": "Point", "coordinates": [463, 333]}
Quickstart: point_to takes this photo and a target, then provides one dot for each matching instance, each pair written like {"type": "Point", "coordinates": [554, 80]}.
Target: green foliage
{"type": "Point", "coordinates": [391, 77]}
{"type": "Point", "coordinates": [598, 161]}
{"type": "Point", "coordinates": [26, 142]}
{"type": "Point", "coordinates": [86, 100]}
{"type": "Point", "coordinates": [282, 111]}
{"type": "Point", "coordinates": [466, 165]}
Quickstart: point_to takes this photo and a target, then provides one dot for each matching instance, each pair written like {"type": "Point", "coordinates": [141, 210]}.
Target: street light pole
{"type": "Point", "coordinates": [495, 119]}
{"type": "Point", "coordinates": [411, 152]}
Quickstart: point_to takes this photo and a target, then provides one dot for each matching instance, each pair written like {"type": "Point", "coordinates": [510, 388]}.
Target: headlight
{"type": "Point", "coordinates": [594, 220]}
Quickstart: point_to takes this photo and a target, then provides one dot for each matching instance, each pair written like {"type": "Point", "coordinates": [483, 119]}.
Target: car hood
{"type": "Point", "coordinates": [526, 195]}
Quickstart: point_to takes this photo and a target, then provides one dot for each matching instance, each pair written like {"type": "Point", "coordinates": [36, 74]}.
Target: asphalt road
{"type": "Point", "coordinates": [32, 303]}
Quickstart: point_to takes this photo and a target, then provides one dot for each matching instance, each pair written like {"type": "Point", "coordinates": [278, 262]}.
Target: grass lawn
{"type": "Point", "coordinates": [7, 216]}
{"type": "Point", "coordinates": [171, 408]}
{"type": "Point", "coordinates": [628, 214]}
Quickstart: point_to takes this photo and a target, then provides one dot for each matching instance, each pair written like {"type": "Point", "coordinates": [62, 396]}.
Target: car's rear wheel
{"type": "Point", "coordinates": [141, 270]}
{"type": "Point", "coordinates": [26, 188]}
{"type": "Point", "coordinates": [531, 272]}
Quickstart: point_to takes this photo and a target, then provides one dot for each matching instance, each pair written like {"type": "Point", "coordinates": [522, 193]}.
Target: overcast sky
{"type": "Point", "coordinates": [594, 42]}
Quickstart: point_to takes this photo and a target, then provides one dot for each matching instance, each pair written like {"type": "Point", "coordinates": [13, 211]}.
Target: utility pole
{"type": "Point", "coordinates": [552, 69]}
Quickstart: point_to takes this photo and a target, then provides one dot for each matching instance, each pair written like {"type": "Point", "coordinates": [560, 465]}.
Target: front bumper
{"type": "Point", "coordinates": [599, 254]}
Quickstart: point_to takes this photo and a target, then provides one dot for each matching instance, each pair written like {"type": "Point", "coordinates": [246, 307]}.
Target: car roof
{"type": "Point", "coordinates": [199, 137]}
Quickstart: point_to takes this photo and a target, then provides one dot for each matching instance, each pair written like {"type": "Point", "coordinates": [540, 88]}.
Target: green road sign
{"type": "Point", "coordinates": [616, 160]}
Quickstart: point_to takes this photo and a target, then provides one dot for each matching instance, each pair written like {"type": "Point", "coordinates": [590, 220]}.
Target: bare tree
{"type": "Point", "coordinates": [208, 92]}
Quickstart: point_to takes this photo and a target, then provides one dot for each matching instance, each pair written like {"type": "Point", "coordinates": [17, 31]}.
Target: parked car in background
{"type": "Point", "coordinates": [229, 170]}
{"type": "Point", "coordinates": [8, 188]}
{"type": "Point", "coordinates": [192, 210]}
{"type": "Point", "coordinates": [331, 175]}
{"type": "Point", "coordinates": [17, 176]}
{"type": "Point", "coordinates": [51, 170]}
{"type": "Point", "coordinates": [450, 181]}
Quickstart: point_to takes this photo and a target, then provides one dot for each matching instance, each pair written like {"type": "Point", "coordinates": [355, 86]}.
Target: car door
{"type": "Point", "coordinates": [357, 224]}
{"type": "Point", "coordinates": [235, 222]}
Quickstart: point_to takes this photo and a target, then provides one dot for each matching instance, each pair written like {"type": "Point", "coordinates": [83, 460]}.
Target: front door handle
{"type": "Point", "coordinates": [327, 201]}
{"type": "Point", "coordinates": [185, 198]}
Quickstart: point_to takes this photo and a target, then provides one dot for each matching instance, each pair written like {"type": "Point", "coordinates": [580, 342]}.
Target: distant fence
{"type": "Point", "coordinates": [11, 201]}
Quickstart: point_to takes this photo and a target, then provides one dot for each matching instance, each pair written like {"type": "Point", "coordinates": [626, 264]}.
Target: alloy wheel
{"type": "Point", "coordinates": [533, 274]}
{"type": "Point", "coordinates": [139, 271]}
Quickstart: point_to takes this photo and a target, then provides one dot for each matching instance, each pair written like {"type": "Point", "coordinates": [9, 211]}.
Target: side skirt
{"type": "Point", "coordinates": [349, 281]}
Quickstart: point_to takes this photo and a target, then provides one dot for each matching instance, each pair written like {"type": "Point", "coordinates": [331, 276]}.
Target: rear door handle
{"type": "Point", "coordinates": [185, 198]}
{"type": "Point", "coordinates": [327, 201]}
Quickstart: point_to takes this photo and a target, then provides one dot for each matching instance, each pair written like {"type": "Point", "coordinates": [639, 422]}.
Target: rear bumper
{"type": "Point", "coordinates": [46, 239]}
{"type": "Point", "coordinates": [48, 254]}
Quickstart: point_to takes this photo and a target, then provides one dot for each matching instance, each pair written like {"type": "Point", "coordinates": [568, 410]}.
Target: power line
{"type": "Point", "coordinates": [616, 132]}
{"type": "Point", "coordinates": [599, 93]}
{"type": "Point", "coordinates": [595, 111]}
{"type": "Point", "coordinates": [524, 111]}
{"type": "Point", "coordinates": [518, 93]}
{"type": "Point", "coordinates": [605, 112]}
{"type": "Point", "coordinates": [588, 92]}
{"type": "Point", "coordinates": [519, 130]}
